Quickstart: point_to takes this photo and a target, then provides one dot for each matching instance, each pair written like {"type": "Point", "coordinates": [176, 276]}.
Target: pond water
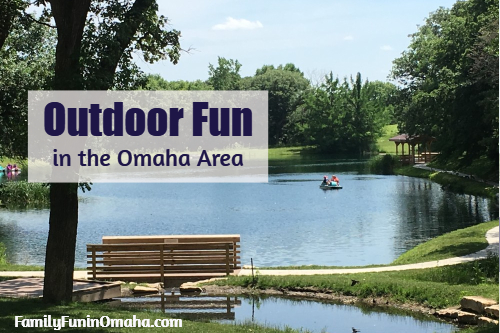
{"type": "Point", "coordinates": [288, 221]}
{"type": "Point", "coordinates": [310, 315]}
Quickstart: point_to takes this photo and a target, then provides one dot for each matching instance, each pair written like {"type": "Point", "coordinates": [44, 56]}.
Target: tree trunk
{"type": "Point", "coordinates": [69, 16]}
{"type": "Point", "coordinates": [8, 10]}
{"type": "Point", "coordinates": [61, 244]}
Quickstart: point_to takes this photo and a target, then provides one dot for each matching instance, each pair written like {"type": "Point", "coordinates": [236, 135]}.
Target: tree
{"type": "Point", "coordinates": [285, 86]}
{"type": "Point", "coordinates": [342, 116]}
{"type": "Point", "coordinates": [449, 81]}
{"type": "Point", "coordinates": [156, 82]}
{"type": "Point", "coordinates": [226, 75]}
{"type": "Point", "coordinates": [27, 64]}
{"type": "Point", "coordinates": [95, 43]}
{"type": "Point", "coordinates": [9, 10]}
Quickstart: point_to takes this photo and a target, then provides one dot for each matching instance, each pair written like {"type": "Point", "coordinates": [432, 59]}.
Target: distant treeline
{"type": "Point", "coordinates": [335, 115]}
{"type": "Point", "coordinates": [446, 86]}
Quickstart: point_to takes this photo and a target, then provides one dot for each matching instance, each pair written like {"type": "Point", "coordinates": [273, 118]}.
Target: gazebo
{"type": "Point", "coordinates": [423, 144]}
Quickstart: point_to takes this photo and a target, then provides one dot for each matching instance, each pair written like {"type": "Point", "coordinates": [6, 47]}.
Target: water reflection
{"type": "Point", "coordinates": [314, 316]}
{"type": "Point", "coordinates": [199, 307]}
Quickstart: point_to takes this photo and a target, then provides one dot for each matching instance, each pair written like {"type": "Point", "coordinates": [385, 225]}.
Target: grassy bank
{"type": "Point", "coordinates": [482, 168]}
{"type": "Point", "coordinates": [32, 308]}
{"type": "Point", "coordinates": [6, 266]}
{"type": "Point", "coordinates": [435, 287]}
{"type": "Point", "coordinates": [451, 182]}
{"type": "Point", "coordinates": [21, 194]}
{"type": "Point", "coordinates": [453, 244]}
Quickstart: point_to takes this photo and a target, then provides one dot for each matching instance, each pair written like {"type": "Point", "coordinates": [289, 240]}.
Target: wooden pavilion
{"type": "Point", "coordinates": [423, 144]}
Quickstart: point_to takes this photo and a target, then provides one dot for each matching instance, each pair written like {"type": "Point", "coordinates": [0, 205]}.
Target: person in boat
{"type": "Point", "coordinates": [335, 179]}
{"type": "Point", "coordinates": [325, 181]}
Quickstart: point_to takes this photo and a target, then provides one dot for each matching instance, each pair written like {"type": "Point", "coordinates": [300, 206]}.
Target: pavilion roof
{"type": "Point", "coordinates": [404, 138]}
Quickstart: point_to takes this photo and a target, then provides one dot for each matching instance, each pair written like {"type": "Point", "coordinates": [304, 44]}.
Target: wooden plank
{"type": "Point", "coordinates": [227, 260]}
{"type": "Point", "coordinates": [162, 265]}
{"type": "Point", "coordinates": [154, 258]}
{"type": "Point", "coordinates": [161, 238]}
{"type": "Point", "coordinates": [165, 269]}
{"type": "Point", "coordinates": [145, 254]}
{"type": "Point", "coordinates": [166, 261]}
{"type": "Point", "coordinates": [93, 263]}
{"type": "Point", "coordinates": [154, 246]}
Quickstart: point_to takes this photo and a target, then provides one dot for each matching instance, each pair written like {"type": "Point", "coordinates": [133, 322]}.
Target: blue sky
{"type": "Point", "coordinates": [344, 37]}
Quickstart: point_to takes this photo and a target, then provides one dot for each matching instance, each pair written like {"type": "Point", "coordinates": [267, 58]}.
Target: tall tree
{"type": "Point", "coordinates": [27, 59]}
{"type": "Point", "coordinates": [285, 85]}
{"type": "Point", "coordinates": [93, 37]}
{"type": "Point", "coordinates": [449, 81]}
{"type": "Point", "coordinates": [9, 9]}
{"type": "Point", "coordinates": [342, 116]}
{"type": "Point", "coordinates": [226, 76]}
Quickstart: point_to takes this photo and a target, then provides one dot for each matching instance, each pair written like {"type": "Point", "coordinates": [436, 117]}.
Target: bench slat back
{"type": "Point", "coordinates": [155, 258]}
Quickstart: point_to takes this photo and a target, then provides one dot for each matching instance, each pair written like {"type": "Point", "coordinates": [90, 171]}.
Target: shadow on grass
{"type": "Point", "coordinates": [458, 250]}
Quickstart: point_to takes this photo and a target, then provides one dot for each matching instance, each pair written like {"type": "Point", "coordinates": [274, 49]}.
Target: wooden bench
{"type": "Point", "coordinates": [167, 259]}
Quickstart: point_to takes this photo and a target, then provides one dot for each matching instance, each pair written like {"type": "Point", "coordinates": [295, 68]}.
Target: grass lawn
{"type": "Point", "coordinates": [435, 287]}
{"type": "Point", "coordinates": [288, 152]}
{"type": "Point", "coordinates": [383, 143]}
{"type": "Point", "coordinates": [453, 244]}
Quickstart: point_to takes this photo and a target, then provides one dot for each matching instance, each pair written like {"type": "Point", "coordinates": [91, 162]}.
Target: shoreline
{"type": "Point", "coordinates": [317, 294]}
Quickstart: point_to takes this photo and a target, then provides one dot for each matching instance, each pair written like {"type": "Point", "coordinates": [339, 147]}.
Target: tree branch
{"type": "Point", "coordinates": [30, 17]}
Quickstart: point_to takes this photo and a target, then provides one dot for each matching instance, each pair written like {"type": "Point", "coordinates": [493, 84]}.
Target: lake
{"type": "Point", "coordinates": [287, 221]}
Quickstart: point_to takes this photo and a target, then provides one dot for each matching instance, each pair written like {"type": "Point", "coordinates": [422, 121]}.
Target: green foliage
{"type": "Point", "coordinates": [451, 182]}
{"type": "Point", "coordinates": [449, 80]}
{"type": "Point", "coordinates": [345, 116]}
{"type": "Point", "coordinates": [383, 143]}
{"type": "Point", "coordinates": [108, 48]}
{"type": "Point", "coordinates": [453, 244]}
{"type": "Point", "coordinates": [27, 63]}
{"type": "Point", "coordinates": [3, 254]}
{"type": "Point", "coordinates": [384, 164]}
{"type": "Point", "coordinates": [463, 185]}
{"type": "Point", "coordinates": [482, 168]}
{"type": "Point", "coordinates": [156, 82]}
{"type": "Point", "coordinates": [490, 328]}
{"type": "Point", "coordinates": [435, 287]}
{"type": "Point", "coordinates": [226, 76]}
{"type": "Point", "coordinates": [21, 194]}
{"type": "Point", "coordinates": [285, 85]}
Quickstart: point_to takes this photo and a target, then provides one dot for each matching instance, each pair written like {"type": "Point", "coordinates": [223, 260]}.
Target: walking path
{"type": "Point", "coordinates": [491, 238]}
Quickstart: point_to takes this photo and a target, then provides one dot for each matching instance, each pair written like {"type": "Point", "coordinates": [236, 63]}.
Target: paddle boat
{"type": "Point", "coordinates": [331, 186]}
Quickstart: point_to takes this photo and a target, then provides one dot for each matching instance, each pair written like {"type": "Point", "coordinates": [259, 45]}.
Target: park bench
{"type": "Point", "coordinates": [171, 260]}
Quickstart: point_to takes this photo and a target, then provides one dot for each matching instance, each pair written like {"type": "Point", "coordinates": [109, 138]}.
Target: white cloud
{"type": "Point", "coordinates": [349, 37]}
{"type": "Point", "coordinates": [233, 24]}
{"type": "Point", "coordinates": [386, 48]}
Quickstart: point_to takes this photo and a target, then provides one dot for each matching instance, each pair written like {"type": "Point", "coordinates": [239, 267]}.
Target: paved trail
{"type": "Point", "coordinates": [491, 237]}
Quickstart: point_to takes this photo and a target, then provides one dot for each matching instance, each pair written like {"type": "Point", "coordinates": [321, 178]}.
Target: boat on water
{"type": "Point", "coordinates": [330, 187]}
{"type": "Point", "coordinates": [333, 184]}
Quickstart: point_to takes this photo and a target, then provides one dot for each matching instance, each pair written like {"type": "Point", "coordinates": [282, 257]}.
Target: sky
{"type": "Point", "coordinates": [344, 37]}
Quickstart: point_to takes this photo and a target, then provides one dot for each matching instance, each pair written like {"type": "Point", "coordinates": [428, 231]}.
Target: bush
{"type": "Point", "coordinates": [384, 164]}
{"type": "Point", "coordinates": [18, 194]}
